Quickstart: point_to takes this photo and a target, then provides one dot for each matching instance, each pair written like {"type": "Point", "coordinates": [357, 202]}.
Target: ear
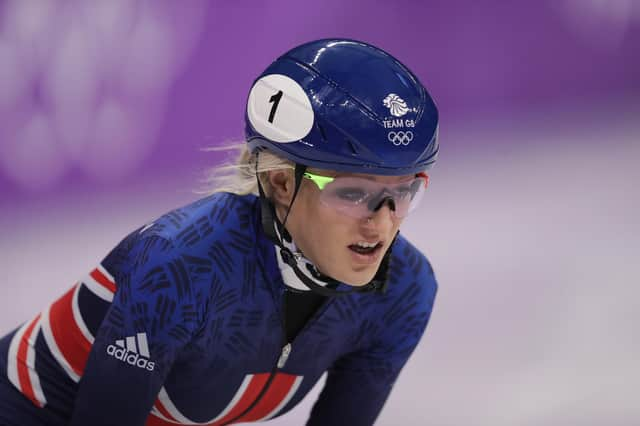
{"type": "Point", "coordinates": [282, 186]}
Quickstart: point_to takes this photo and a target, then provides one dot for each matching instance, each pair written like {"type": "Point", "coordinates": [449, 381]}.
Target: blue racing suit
{"type": "Point", "coordinates": [183, 323]}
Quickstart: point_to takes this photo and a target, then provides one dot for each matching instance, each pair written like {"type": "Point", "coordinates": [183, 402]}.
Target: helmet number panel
{"type": "Point", "coordinates": [276, 100]}
{"type": "Point", "coordinates": [279, 109]}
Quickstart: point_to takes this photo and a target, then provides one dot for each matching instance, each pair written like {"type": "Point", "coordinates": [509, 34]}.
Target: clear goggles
{"type": "Point", "coordinates": [360, 197]}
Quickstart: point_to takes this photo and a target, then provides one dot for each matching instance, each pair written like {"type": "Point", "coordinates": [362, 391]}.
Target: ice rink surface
{"type": "Point", "coordinates": [535, 244]}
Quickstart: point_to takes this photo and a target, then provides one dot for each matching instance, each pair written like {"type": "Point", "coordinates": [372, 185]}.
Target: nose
{"type": "Point", "coordinates": [383, 217]}
{"type": "Point", "coordinates": [375, 205]}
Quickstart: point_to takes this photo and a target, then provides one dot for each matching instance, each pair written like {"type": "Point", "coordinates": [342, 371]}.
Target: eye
{"type": "Point", "coordinates": [353, 195]}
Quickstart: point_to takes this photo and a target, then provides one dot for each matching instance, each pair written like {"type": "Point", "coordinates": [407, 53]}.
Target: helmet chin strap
{"type": "Point", "coordinates": [270, 221]}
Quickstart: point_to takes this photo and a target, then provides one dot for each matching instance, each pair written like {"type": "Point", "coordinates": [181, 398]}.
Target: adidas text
{"type": "Point", "coordinates": [130, 358]}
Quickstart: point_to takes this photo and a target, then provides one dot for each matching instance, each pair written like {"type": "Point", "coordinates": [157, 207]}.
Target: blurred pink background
{"type": "Point", "coordinates": [531, 220]}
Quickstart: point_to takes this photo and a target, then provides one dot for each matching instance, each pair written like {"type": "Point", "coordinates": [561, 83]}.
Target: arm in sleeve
{"type": "Point", "coordinates": [152, 317]}
{"type": "Point", "coordinates": [359, 383]}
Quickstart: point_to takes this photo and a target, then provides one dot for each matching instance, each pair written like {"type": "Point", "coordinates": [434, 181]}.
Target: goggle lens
{"type": "Point", "coordinates": [359, 197]}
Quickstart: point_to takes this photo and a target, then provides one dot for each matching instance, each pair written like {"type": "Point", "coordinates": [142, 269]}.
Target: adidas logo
{"type": "Point", "coordinates": [134, 350]}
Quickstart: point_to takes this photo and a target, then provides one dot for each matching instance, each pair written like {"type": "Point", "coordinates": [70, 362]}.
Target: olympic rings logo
{"type": "Point", "coordinates": [400, 137]}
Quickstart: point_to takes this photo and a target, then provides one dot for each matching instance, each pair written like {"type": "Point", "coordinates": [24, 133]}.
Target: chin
{"type": "Point", "coordinates": [354, 276]}
{"type": "Point", "coordinates": [358, 279]}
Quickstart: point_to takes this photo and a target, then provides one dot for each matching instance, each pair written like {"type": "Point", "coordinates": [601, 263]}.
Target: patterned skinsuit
{"type": "Point", "coordinates": [183, 323]}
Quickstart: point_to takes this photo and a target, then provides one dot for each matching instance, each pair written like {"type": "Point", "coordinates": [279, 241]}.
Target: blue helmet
{"type": "Point", "coordinates": [343, 105]}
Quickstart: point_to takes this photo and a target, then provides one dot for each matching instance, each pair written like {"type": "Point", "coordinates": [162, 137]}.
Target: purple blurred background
{"type": "Point", "coordinates": [532, 221]}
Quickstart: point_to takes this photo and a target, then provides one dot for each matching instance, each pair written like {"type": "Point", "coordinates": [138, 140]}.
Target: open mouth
{"type": "Point", "coordinates": [366, 248]}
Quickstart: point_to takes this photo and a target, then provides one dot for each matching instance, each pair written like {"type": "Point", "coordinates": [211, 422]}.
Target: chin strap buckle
{"type": "Point", "coordinates": [288, 257]}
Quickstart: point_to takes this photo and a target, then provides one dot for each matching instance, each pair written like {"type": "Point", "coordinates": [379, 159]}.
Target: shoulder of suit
{"type": "Point", "coordinates": [207, 219]}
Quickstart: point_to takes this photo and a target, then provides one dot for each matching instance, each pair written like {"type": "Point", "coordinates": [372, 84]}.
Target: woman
{"type": "Point", "coordinates": [230, 309]}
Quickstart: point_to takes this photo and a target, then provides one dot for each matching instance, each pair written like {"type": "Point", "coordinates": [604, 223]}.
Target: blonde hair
{"type": "Point", "coordinates": [239, 176]}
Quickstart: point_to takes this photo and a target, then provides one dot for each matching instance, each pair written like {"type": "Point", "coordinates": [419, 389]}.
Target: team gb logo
{"type": "Point", "coordinates": [397, 106]}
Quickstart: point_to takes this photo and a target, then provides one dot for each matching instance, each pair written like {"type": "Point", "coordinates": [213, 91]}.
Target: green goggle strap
{"type": "Point", "coordinates": [320, 181]}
